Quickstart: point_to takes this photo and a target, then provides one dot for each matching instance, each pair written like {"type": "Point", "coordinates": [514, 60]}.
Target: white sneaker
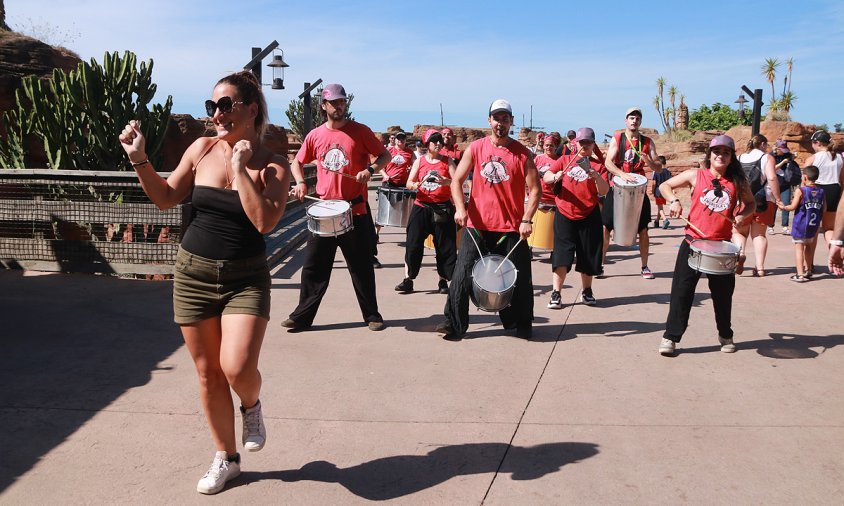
{"type": "Point", "coordinates": [218, 474]}
{"type": "Point", "coordinates": [785, 231]}
{"type": "Point", "coordinates": [666, 347]}
{"type": "Point", "coordinates": [771, 231]}
{"type": "Point", "coordinates": [254, 433]}
{"type": "Point", "coordinates": [727, 345]}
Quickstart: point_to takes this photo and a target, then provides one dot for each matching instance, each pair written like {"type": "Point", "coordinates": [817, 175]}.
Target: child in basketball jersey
{"type": "Point", "coordinates": [809, 206]}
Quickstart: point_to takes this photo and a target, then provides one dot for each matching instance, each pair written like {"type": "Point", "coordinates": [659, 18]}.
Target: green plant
{"type": "Point", "coordinates": [837, 127]}
{"type": "Point", "coordinates": [296, 112]}
{"type": "Point", "coordinates": [678, 135]}
{"type": "Point", "coordinates": [79, 115]}
{"type": "Point", "coordinates": [769, 70]}
{"type": "Point", "coordinates": [718, 117]}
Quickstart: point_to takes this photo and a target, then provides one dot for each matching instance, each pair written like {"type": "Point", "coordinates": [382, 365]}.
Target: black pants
{"type": "Point", "coordinates": [422, 223]}
{"type": "Point", "coordinates": [683, 294]}
{"type": "Point", "coordinates": [520, 312]}
{"type": "Point", "coordinates": [316, 273]}
{"type": "Point", "coordinates": [578, 239]}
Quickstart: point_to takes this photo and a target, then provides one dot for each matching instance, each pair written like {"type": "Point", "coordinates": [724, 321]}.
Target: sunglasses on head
{"type": "Point", "coordinates": [225, 105]}
{"type": "Point", "coordinates": [718, 189]}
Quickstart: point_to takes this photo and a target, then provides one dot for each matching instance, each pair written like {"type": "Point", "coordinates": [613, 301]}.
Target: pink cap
{"type": "Point", "coordinates": [430, 133]}
{"type": "Point", "coordinates": [723, 140]}
{"type": "Point", "coordinates": [333, 92]}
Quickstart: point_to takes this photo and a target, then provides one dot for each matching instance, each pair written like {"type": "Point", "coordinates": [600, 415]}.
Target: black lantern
{"type": "Point", "coordinates": [278, 65]}
{"type": "Point", "coordinates": [741, 101]}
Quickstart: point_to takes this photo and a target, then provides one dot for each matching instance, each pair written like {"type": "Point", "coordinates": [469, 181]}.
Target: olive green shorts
{"type": "Point", "coordinates": [205, 288]}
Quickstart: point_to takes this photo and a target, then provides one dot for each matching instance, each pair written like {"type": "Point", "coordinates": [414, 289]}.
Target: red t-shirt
{"type": "Point", "coordinates": [451, 152]}
{"type": "Point", "coordinates": [578, 192]}
{"type": "Point", "coordinates": [497, 201]}
{"type": "Point", "coordinates": [543, 162]}
{"type": "Point", "coordinates": [706, 202]}
{"type": "Point", "coordinates": [346, 150]}
{"type": "Point", "coordinates": [399, 167]}
{"type": "Point", "coordinates": [433, 191]}
{"type": "Point", "coordinates": [628, 158]}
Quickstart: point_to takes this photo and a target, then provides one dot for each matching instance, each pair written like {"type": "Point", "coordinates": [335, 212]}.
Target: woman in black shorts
{"type": "Point", "coordinates": [221, 287]}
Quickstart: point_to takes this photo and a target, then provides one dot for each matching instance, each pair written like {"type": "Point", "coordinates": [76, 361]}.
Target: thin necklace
{"type": "Point", "coordinates": [229, 182]}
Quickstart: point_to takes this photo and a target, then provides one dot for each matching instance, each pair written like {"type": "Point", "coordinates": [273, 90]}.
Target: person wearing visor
{"type": "Point", "coordinates": [721, 189]}
{"type": "Point", "coordinates": [432, 214]}
{"type": "Point", "coordinates": [347, 153]}
{"type": "Point", "coordinates": [497, 219]}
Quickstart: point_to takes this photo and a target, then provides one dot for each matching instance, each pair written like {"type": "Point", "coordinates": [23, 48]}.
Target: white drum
{"type": "Point", "coordinates": [394, 206]}
{"type": "Point", "coordinates": [713, 257]}
{"type": "Point", "coordinates": [330, 218]}
{"type": "Point", "coordinates": [628, 198]}
{"type": "Point", "coordinates": [492, 288]}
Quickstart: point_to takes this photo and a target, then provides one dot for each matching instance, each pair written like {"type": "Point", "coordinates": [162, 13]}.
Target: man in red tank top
{"type": "Point", "coordinates": [497, 220]}
{"type": "Point", "coordinates": [347, 153]}
{"type": "Point", "coordinates": [450, 147]}
{"type": "Point", "coordinates": [629, 153]}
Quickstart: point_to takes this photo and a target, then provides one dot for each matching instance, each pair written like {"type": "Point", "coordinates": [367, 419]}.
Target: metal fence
{"type": "Point", "coordinates": [96, 221]}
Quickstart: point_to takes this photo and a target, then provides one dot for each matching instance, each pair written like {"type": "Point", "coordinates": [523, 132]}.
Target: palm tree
{"type": "Point", "coordinates": [769, 70]}
{"type": "Point", "coordinates": [660, 86]}
{"type": "Point", "coordinates": [657, 103]}
{"type": "Point", "coordinates": [787, 101]}
{"type": "Point", "coordinates": [790, 65]}
{"type": "Point", "coordinates": [672, 94]}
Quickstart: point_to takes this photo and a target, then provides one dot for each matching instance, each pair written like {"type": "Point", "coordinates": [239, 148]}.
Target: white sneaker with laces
{"type": "Point", "coordinates": [254, 433]}
{"type": "Point", "coordinates": [727, 345]}
{"type": "Point", "coordinates": [221, 471]}
{"type": "Point", "coordinates": [666, 346]}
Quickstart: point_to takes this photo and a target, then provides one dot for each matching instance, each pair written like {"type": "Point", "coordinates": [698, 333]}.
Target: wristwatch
{"type": "Point", "coordinates": [370, 169]}
{"type": "Point", "coordinates": [836, 242]}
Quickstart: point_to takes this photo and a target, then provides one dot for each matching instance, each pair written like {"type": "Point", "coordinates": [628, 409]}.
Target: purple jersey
{"type": "Point", "coordinates": [807, 218]}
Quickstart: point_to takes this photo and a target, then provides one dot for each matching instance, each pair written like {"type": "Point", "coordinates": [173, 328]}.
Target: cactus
{"type": "Point", "coordinates": [78, 115]}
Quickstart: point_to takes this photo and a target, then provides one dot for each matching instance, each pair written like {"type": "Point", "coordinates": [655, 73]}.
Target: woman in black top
{"type": "Point", "coordinates": [221, 284]}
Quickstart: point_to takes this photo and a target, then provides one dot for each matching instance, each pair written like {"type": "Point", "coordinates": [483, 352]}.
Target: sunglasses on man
{"type": "Point", "coordinates": [225, 105]}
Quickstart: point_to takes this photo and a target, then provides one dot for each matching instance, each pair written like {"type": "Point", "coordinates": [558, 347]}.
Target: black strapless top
{"type": "Point", "coordinates": [219, 228]}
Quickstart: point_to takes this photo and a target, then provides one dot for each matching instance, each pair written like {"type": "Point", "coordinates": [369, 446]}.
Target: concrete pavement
{"type": "Point", "coordinates": [99, 401]}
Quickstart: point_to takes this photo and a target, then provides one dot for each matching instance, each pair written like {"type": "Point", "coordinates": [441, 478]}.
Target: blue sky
{"type": "Point", "coordinates": [576, 68]}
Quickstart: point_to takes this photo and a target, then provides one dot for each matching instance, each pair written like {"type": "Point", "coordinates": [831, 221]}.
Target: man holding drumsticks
{"type": "Point", "coordinates": [629, 153]}
{"type": "Point", "coordinates": [497, 220]}
{"type": "Point", "coordinates": [347, 153]}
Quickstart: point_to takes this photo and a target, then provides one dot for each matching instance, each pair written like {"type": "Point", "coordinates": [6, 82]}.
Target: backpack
{"type": "Point", "coordinates": [793, 175]}
{"type": "Point", "coordinates": [753, 172]}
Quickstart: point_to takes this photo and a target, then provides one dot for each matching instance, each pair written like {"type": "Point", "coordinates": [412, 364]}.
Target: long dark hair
{"type": "Point", "coordinates": [734, 171]}
{"type": "Point", "coordinates": [250, 92]}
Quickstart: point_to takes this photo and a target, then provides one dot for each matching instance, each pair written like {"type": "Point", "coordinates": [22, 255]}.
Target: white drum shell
{"type": "Point", "coordinates": [330, 218]}
{"type": "Point", "coordinates": [628, 198]}
{"type": "Point", "coordinates": [394, 206]}
{"type": "Point", "coordinates": [713, 257]}
{"type": "Point", "coordinates": [493, 290]}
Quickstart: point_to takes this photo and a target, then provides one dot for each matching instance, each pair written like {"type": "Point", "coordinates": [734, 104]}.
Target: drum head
{"type": "Point", "coordinates": [486, 277]}
{"type": "Point", "coordinates": [328, 208]}
{"type": "Point", "coordinates": [715, 247]}
{"type": "Point", "coordinates": [640, 180]}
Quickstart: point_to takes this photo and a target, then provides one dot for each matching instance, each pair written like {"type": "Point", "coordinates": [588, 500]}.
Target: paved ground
{"type": "Point", "coordinates": [99, 401]}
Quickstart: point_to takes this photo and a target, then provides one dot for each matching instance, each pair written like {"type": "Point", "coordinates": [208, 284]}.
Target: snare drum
{"type": "Point", "coordinates": [713, 257]}
{"type": "Point", "coordinates": [394, 206]}
{"type": "Point", "coordinates": [492, 287]}
{"type": "Point", "coordinates": [330, 218]}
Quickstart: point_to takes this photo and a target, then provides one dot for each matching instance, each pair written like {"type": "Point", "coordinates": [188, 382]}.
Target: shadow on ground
{"type": "Point", "coordinates": [66, 356]}
{"type": "Point", "coordinates": [402, 475]}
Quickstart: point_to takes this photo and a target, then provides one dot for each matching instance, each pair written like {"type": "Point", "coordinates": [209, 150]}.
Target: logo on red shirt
{"type": "Point", "coordinates": [495, 170]}
{"type": "Point", "coordinates": [578, 174]}
{"type": "Point", "coordinates": [335, 158]}
{"type": "Point", "coordinates": [715, 203]}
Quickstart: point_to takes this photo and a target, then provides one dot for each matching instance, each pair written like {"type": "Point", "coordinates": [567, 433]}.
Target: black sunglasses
{"type": "Point", "coordinates": [225, 105]}
{"type": "Point", "coordinates": [718, 189]}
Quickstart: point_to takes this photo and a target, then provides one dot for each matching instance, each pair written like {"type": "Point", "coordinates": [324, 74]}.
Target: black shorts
{"type": "Point", "coordinates": [581, 239]}
{"type": "Point", "coordinates": [832, 195]}
{"type": "Point", "coordinates": [607, 213]}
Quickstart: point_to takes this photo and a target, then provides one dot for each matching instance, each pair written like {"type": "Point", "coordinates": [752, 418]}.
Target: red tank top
{"type": "Point", "coordinates": [544, 162]}
{"type": "Point", "coordinates": [706, 201]}
{"type": "Point", "coordinates": [497, 202]}
{"type": "Point", "coordinates": [628, 157]}
{"type": "Point", "coordinates": [431, 174]}
{"type": "Point", "coordinates": [578, 192]}
{"type": "Point", "coordinates": [399, 166]}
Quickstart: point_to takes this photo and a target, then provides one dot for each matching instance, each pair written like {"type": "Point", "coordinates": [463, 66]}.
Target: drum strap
{"type": "Point", "coordinates": [356, 200]}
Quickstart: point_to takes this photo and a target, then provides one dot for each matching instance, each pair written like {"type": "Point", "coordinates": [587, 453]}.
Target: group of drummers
{"type": "Point", "coordinates": [489, 196]}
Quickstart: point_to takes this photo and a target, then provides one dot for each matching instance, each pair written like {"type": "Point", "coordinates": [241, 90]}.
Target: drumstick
{"type": "Point", "coordinates": [340, 173]}
{"type": "Point", "coordinates": [314, 198]}
{"type": "Point", "coordinates": [508, 254]}
{"type": "Point", "coordinates": [690, 224]}
{"type": "Point", "coordinates": [469, 231]}
{"type": "Point", "coordinates": [726, 218]}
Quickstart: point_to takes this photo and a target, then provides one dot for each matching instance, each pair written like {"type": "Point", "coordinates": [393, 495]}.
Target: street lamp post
{"type": "Point", "coordinates": [757, 107]}
{"type": "Point", "coordinates": [306, 106]}
{"type": "Point", "coordinates": [741, 101]}
{"type": "Point", "coordinates": [278, 64]}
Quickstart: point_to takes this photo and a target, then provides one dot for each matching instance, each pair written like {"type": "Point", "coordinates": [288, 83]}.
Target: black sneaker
{"type": "Point", "coordinates": [406, 286]}
{"type": "Point", "coordinates": [293, 325]}
{"type": "Point", "coordinates": [375, 263]}
{"type": "Point", "coordinates": [556, 300]}
{"type": "Point", "coordinates": [587, 298]}
{"type": "Point", "coordinates": [524, 332]}
{"type": "Point", "coordinates": [656, 223]}
{"type": "Point", "coordinates": [442, 287]}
